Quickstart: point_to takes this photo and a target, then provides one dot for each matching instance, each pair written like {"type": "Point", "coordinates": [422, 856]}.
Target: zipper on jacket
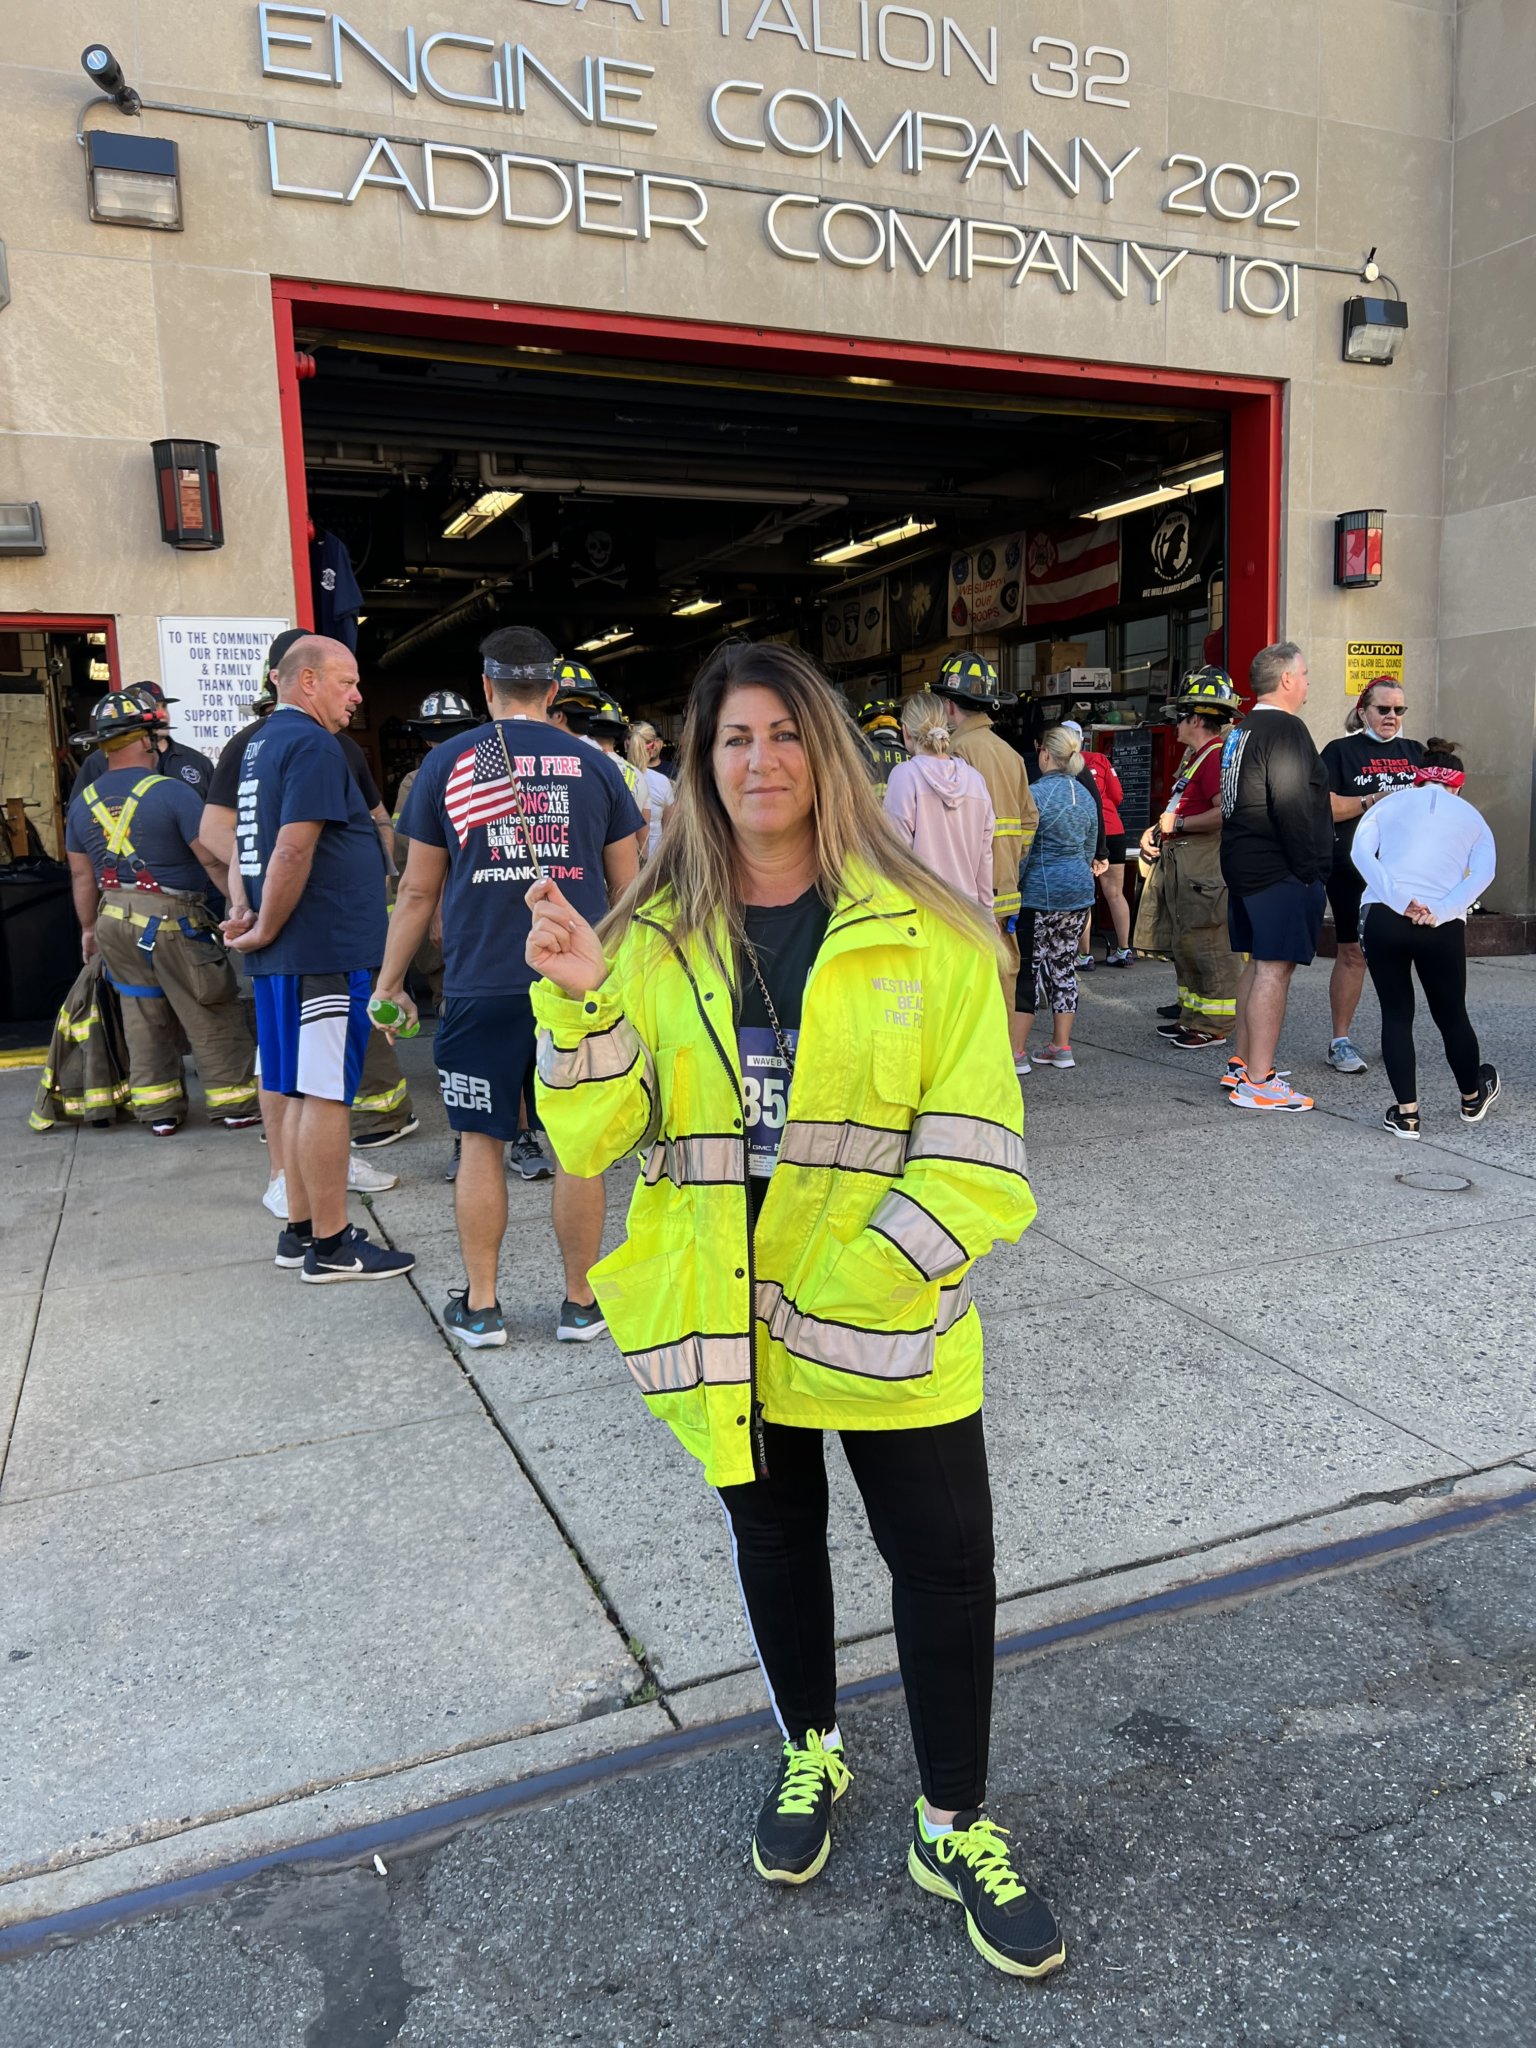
{"type": "Point", "coordinates": [754, 1406]}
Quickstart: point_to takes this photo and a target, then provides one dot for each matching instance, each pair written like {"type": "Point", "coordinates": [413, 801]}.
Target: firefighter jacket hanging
{"type": "Point", "coordinates": [162, 953]}
{"type": "Point", "coordinates": [85, 1074]}
{"type": "Point", "coordinates": [901, 1162]}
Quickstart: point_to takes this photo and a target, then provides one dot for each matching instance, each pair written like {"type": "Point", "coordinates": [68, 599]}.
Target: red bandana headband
{"type": "Point", "coordinates": [1443, 778]}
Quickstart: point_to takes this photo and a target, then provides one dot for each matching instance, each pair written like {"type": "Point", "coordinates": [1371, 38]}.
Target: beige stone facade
{"type": "Point", "coordinates": [1405, 126]}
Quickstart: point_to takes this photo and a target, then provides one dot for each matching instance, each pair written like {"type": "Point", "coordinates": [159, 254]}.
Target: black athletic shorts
{"type": "Point", "coordinates": [1346, 885]}
{"type": "Point", "coordinates": [1281, 922]}
{"type": "Point", "coordinates": [1114, 847]}
{"type": "Point", "coordinates": [484, 1052]}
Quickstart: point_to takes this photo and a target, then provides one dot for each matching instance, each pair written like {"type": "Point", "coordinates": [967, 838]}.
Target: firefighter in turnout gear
{"type": "Point", "coordinates": [1183, 913]}
{"type": "Point", "coordinates": [132, 835]}
{"type": "Point", "coordinates": [880, 722]}
{"type": "Point", "coordinates": [969, 685]}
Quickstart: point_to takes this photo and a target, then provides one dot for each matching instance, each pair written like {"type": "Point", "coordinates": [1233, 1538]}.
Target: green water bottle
{"type": "Point", "coordinates": [390, 1017]}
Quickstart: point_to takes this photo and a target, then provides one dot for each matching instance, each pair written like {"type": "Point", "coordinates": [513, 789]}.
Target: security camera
{"type": "Point", "coordinates": [103, 70]}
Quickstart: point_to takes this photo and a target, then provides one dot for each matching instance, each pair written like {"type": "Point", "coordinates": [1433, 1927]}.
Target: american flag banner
{"type": "Point", "coordinates": [1067, 573]}
{"type": "Point", "coordinates": [479, 790]}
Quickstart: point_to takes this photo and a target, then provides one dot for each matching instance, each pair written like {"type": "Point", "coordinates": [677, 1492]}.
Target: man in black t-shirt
{"type": "Point", "coordinates": [1370, 762]}
{"type": "Point", "coordinates": [1276, 850]}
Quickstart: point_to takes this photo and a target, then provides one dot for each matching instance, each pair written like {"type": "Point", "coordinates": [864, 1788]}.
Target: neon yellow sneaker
{"type": "Point", "coordinates": [793, 1836]}
{"type": "Point", "coordinates": [1009, 1923]}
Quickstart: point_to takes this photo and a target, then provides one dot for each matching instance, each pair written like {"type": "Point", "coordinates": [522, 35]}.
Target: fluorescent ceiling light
{"type": "Point", "coordinates": [1158, 494]}
{"type": "Point", "coordinates": [886, 383]}
{"type": "Point", "coordinates": [608, 639]}
{"type": "Point", "coordinates": [476, 517]}
{"type": "Point", "coordinates": [100, 672]}
{"type": "Point", "coordinates": [851, 550]}
{"type": "Point", "coordinates": [696, 607]}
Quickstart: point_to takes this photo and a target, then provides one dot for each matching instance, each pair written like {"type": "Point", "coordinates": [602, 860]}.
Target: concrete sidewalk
{"type": "Point", "coordinates": [275, 1561]}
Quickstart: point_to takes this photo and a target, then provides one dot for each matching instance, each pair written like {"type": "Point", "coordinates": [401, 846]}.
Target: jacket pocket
{"type": "Point", "coordinates": [864, 1319]}
{"type": "Point", "coordinates": [897, 1066]}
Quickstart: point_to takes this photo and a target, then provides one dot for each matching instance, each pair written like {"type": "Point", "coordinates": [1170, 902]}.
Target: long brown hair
{"type": "Point", "coordinates": [696, 862]}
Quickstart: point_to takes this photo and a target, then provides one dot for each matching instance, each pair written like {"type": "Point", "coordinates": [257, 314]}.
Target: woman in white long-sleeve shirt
{"type": "Point", "coordinates": [1426, 856]}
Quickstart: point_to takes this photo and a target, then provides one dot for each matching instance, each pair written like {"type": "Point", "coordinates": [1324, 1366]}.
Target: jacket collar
{"type": "Point", "coordinates": [866, 904]}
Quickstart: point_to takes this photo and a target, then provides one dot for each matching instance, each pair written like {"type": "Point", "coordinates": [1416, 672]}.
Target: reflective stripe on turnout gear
{"type": "Point", "coordinates": [602, 1057]}
{"type": "Point", "coordinates": [972, 1139]}
{"type": "Point", "coordinates": [387, 1099]}
{"type": "Point", "coordinates": [691, 1362]}
{"type": "Point", "coordinates": [920, 1236]}
{"type": "Point", "coordinates": [697, 1162]}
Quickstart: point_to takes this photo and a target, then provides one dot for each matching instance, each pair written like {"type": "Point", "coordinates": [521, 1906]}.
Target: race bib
{"type": "Point", "coordinates": [764, 1095]}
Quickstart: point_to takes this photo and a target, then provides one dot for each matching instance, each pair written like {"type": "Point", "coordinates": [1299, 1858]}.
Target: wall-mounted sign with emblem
{"type": "Point", "coordinates": [1169, 552]}
{"type": "Point", "coordinates": [986, 586]}
{"type": "Point", "coordinates": [212, 668]}
{"type": "Point", "coordinates": [853, 626]}
{"type": "Point", "coordinates": [1372, 661]}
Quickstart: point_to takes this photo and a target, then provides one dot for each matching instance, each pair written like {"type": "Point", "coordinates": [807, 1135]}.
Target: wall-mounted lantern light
{"type": "Point", "coordinates": [1374, 330]}
{"type": "Point", "coordinates": [1357, 549]}
{"type": "Point", "coordinates": [21, 529]}
{"type": "Point", "coordinates": [187, 476]}
{"type": "Point", "coordinates": [134, 181]}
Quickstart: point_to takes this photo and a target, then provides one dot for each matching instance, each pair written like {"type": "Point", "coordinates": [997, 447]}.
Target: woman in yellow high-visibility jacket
{"type": "Point", "coordinates": [800, 1027]}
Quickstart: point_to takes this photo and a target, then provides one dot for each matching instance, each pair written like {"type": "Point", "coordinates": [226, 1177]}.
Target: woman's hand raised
{"type": "Point", "coordinates": [561, 944]}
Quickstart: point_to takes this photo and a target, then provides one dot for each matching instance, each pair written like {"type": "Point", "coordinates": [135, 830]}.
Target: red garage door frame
{"type": "Point", "coordinates": [1255, 405]}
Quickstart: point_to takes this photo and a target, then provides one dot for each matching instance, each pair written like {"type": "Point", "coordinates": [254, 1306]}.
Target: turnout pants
{"type": "Point", "coordinates": [162, 953]}
{"type": "Point", "coordinates": [383, 1101]}
{"type": "Point", "coordinates": [930, 1512]}
{"type": "Point", "coordinates": [1194, 904]}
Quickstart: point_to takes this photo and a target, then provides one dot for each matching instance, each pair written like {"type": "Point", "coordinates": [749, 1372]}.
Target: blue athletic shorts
{"type": "Point", "coordinates": [1281, 922]}
{"type": "Point", "coordinates": [484, 1053]}
{"type": "Point", "coordinates": [311, 1033]}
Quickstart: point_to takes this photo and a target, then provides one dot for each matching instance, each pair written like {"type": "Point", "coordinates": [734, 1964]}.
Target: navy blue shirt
{"type": "Point", "coordinates": [295, 771]}
{"type": "Point", "coordinates": [576, 803]}
{"type": "Point", "coordinates": [162, 828]}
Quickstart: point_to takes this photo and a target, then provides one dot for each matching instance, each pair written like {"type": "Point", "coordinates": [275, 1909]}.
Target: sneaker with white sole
{"type": "Point", "coordinates": [275, 1200]}
{"type": "Point", "coordinates": [371, 1141]}
{"type": "Point", "coordinates": [354, 1259]}
{"type": "Point", "coordinates": [1402, 1123]}
{"type": "Point", "coordinates": [1021, 1064]}
{"type": "Point", "coordinates": [364, 1178]}
{"type": "Point", "coordinates": [1055, 1056]}
{"type": "Point", "coordinates": [526, 1156]}
{"type": "Point", "coordinates": [474, 1326]}
{"type": "Point", "coordinates": [1475, 1107]}
{"type": "Point", "coordinates": [1085, 963]}
{"type": "Point", "coordinates": [579, 1322]}
{"type": "Point", "coordinates": [1344, 1057]}
{"type": "Point", "coordinates": [1275, 1094]}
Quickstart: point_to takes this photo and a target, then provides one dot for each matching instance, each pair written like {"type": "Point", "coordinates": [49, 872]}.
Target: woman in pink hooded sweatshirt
{"type": "Point", "coordinates": [939, 804]}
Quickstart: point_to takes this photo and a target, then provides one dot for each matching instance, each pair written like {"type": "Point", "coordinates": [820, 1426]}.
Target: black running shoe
{"type": "Point", "coordinates": [1008, 1921]}
{"type": "Point", "coordinates": [579, 1322]}
{"type": "Point", "coordinates": [354, 1259]}
{"type": "Point", "coordinates": [1402, 1123]}
{"type": "Point", "coordinates": [1169, 1030]}
{"type": "Point", "coordinates": [1475, 1107]}
{"type": "Point", "coordinates": [1169, 1009]}
{"type": "Point", "coordinates": [291, 1249]}
{"type": "Point", "coordinates": [793, 1836]}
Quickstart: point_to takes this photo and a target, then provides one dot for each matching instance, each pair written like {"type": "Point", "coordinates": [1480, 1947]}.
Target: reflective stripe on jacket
{"type": "Point", "coordinates": [900, 1163]}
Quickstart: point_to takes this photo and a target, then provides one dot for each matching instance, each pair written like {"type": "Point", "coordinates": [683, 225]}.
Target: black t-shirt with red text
{"type": "Point", "coordinates": [1361, 765]}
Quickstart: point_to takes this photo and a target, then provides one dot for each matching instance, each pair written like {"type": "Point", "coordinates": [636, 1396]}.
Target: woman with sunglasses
{"type": "Point", "coordinates": [1371, 760]}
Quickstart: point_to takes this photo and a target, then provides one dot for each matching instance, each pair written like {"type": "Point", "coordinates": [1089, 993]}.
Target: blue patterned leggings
{"type": "Point", "coordinates": [1056, 937]}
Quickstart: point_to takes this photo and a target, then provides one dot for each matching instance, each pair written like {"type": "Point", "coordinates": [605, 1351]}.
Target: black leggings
{"type": "Point", "coordinates": [930, 1511]}
{"type": "Point", "coordinates": [1396, 949]}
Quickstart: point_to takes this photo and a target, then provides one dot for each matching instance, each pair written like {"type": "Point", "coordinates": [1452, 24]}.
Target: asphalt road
{"type": "Point", "coordinates": [1305, 1821]}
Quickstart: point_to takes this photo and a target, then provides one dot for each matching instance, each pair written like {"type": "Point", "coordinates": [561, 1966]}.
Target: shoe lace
{"type": "Point", "coordinates": [984, 1846]}
{"type": "Point", "coordinates": [804, 1770]}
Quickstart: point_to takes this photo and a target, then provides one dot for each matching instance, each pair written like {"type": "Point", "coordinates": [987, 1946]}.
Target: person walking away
{"type": "Point", "coordinates": [1056, 885]}
{"type": "Point", "coordinates": [1371, 760]}
{"type": "Point", "coordinates": [644, 751]}
{"type": "Point", "coordinates": [218, 834]}
{"type": "Point", "coordinates": [1107, 783]}
{"type": "Point", "coordinates": [1276, 850]}
{"type": "Point", "coordinates": [140, 873]}
{"type": "Point", "coordinates": [1424, 857]}
{"type": "Point", "coordinates": [307, 908]}
{"type": "Point", "coordinates": [182, 764]}
{"type": "Point", "coordinates": [880, 721]}
{"type": "Point", "coordinates": [493, 809]}
{"type": "Point", "coordinates": [939, 804]}
{"type": "Point", "coordinates": [799, 1024]}
{"type": "Point", "coordinates": [1188, 910]}
{"type": "Point", "coordinates": [970, 689]}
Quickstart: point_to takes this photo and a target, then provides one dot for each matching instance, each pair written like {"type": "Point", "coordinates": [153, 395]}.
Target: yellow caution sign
{"type": "Point", "coordinates": [1366, 661]}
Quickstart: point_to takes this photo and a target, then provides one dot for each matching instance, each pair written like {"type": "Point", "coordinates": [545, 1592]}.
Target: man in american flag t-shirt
{"type": "Point", "coordinates": [491, 811]}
